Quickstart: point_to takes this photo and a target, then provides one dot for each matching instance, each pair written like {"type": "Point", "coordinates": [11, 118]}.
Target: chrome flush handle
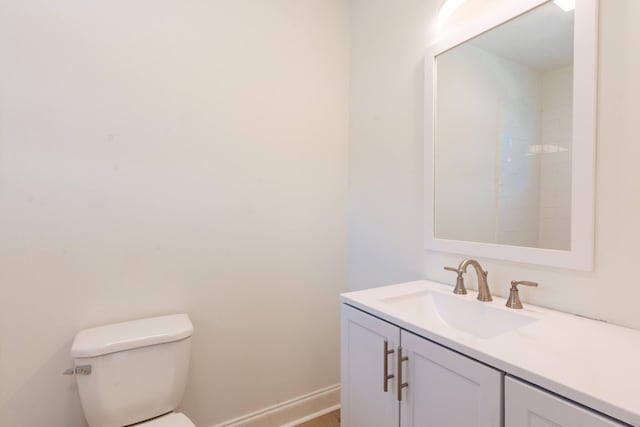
{"type": "Point", "coordinates": [78, 370]}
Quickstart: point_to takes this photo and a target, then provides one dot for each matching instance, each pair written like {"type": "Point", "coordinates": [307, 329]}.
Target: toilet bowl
{"type": "Point", "coordinates": [134, 373]}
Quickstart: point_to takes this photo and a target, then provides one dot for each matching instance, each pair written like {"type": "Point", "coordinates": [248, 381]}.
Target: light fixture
{"type": "Point", "coordinates": [447, 8]}
{"type": "Point", "coordinates": [566, 5]}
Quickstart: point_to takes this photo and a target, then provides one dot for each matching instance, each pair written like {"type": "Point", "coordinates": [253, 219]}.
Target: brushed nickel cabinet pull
{"type": "Point", "coordinates": [387, 377]}
{"type": "Point", "coordinates": [401, 385]}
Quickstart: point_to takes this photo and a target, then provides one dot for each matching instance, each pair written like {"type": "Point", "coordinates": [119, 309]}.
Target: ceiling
{"type": "Point", "coordinates": [541, 38]}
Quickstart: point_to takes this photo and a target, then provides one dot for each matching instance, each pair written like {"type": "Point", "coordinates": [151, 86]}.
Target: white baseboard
{"type": "Point", "coordinates": [291, 412]}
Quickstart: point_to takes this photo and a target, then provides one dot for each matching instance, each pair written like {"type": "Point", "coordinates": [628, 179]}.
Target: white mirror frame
{"type": "Point", "coordinates": [580, 257]}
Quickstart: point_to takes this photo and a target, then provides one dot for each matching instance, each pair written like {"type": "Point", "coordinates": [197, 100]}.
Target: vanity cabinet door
{"type": "Point", "coordinates": [446, 389]}
{"type": "Point", "coordinates": [364, 401]}
{"type": "Point", "coordinates": [529, 406]}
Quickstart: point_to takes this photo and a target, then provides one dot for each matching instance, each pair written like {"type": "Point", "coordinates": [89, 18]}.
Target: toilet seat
{"type": "Point", "coordinates": [173, 419]}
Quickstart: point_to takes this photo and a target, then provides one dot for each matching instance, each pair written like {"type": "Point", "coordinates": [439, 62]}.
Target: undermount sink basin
{"type": "Point", "coordinates": [462, 312]}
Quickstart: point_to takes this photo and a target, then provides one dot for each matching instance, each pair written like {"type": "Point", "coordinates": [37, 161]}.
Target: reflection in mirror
{"type": "Point", "coordinates": [503, 134]}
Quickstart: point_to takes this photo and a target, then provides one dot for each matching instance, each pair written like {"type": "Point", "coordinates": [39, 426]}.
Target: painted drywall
{"type": "Point", "coordinates": [386, 169]}
{"type": "Point", "coordinates": [173, 156]}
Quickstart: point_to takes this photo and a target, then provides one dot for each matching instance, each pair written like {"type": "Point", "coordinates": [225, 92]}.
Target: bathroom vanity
{"type": "Point", "coordinates": [415, 354]}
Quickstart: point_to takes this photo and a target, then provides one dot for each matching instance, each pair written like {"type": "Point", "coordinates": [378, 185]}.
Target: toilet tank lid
{"type": "Point", "coordinates": [129, 335]}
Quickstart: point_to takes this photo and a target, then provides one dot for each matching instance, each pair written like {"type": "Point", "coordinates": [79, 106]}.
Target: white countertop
{"type": "Point", "coordinates": [590, 362]}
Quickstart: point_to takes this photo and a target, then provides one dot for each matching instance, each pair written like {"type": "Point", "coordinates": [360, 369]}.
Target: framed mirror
{"type": "Point", "coordinates": [510, 135]}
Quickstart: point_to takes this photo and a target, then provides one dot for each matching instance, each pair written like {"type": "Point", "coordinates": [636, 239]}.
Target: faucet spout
{"type": "Point", "coordinates": [484, 294]}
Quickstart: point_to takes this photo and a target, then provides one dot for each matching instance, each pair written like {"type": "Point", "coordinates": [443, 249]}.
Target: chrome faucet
{"type": "Point", "coordinates": [484, 294]}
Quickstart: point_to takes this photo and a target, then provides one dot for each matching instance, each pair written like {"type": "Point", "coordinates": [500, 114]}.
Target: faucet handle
{"type": "Point", "coordinates": [514, 298]}
{"type": "Point", "coordinates": [515, 283]}
{"type": "Point", "coordinates": [459, 289]}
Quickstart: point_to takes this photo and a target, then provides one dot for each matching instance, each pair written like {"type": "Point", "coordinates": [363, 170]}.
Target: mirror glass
{"type": "Point", "coordinates": [503, 134]}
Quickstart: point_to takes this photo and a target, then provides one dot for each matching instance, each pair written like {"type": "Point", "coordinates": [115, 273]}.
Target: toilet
{"type": "Point", "coordinates": [133, 372]}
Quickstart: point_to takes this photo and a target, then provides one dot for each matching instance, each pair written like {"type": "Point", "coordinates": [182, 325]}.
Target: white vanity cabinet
{"type": "Point", "coordinates": [444, 388]}
{"type": "Point", "coordinates": [472, 363]}
{"type": "Point", "coordinates": [447, 389]}
{"type": "Point", "coordinates": [529, 406]}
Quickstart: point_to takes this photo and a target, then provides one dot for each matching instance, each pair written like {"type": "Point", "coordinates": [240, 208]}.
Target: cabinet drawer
{"type": "Point", "coordinates": [529, 406]}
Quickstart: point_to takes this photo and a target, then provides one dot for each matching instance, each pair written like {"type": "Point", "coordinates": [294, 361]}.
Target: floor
{"type": "Point", "coordinates": [332, 419]}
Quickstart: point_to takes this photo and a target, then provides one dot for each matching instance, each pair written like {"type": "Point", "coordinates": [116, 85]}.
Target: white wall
{"type": "Point", "coordinates": [386, 173]}
{"type": "Point", "coordinates": [173, 156]}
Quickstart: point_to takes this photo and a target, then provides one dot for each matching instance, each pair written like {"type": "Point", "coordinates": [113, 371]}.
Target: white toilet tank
{"type": "Point", "coordinates": [138, 369]}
